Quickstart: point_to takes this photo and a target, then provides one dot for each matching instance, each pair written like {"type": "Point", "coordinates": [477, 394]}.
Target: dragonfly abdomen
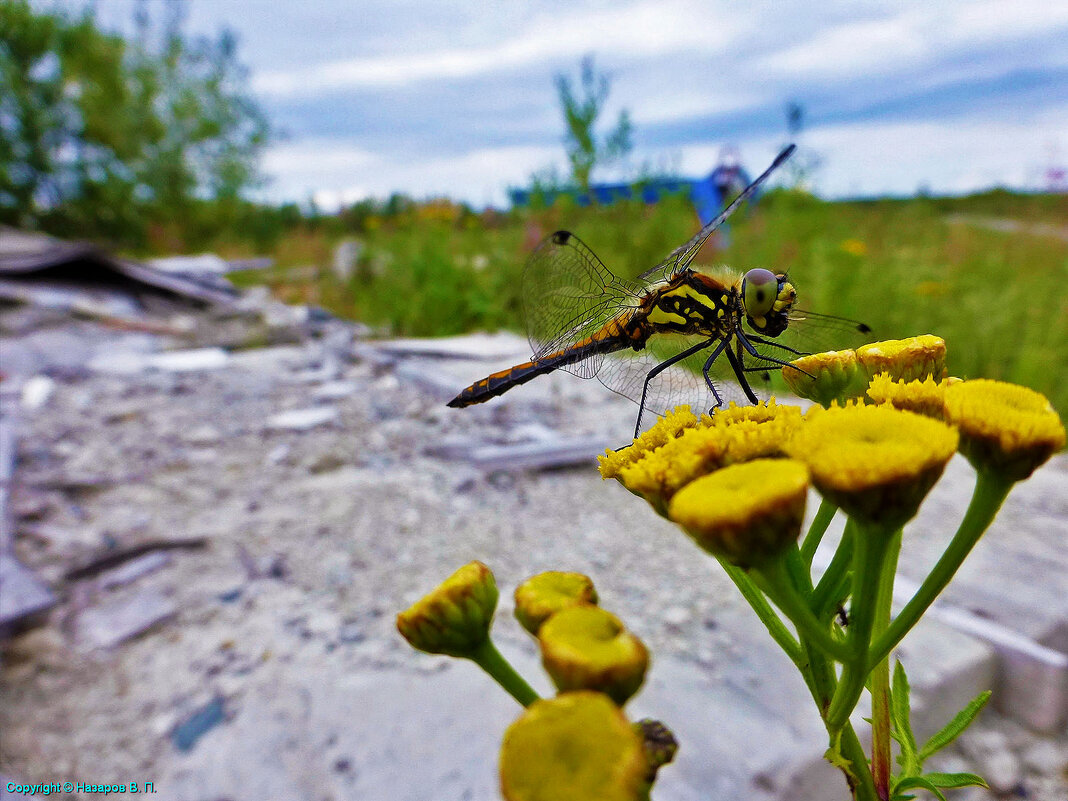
{"type": "Point", "coordinates": [498, 383]}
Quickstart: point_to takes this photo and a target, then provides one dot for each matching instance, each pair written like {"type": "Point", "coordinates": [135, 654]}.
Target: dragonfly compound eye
{"type": "Point", "coordinates": [760, 288]}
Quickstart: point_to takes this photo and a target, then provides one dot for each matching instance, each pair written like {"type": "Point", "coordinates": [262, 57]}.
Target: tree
{"type": "Point", "coordinates": [584, 149]}
{"type": "Point", "coordinates": [799, 170]}
{"type": "Point", "coordinates": [104, 138]}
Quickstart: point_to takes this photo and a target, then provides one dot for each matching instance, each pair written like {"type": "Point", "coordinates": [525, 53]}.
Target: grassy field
{"type": "Point", "coordinates": [902, 266]}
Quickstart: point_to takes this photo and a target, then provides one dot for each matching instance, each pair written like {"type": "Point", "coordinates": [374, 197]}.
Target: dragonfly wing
{"type": "Point", "coordinates": [681, 257]}
{"type": "Point", "coordinates": [684, 381]}
{"type": "Point", "coordinates": [568, 295]}
{"type": "Point", "coordinates": [681, 383]}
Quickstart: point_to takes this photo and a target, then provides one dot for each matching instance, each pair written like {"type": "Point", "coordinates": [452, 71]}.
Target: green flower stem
{"type": "Point", "coordinates": [880, 675]}
{"type": "Point", "coordinates": [823, 518]}
{"type": "Point", "coordinates": [869, 548]}
{"type": "Point", "coordinates": [775, 580]}
{"type": "Point", "coordinates": [771, 621]}
{"type": "Point", "coordinates": [859, 777]}
{"type": "Point", "coordinates": [829, 590]}
{"type": "Point", "coordinates": [798, 571]}
{"type": "Point", "coordinates": [487, 657]}
{"type": "Point", "coordinates": [823, 680]}
{"type": "Point", "coordinates": [989, 494]}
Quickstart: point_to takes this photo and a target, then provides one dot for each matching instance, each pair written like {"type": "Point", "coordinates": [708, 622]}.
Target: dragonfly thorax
{"type": "Point", "coordinates": [694, 303]}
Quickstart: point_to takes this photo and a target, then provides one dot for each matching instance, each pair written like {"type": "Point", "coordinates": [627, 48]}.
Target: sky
{"type": "Point", "coordinates": [456, 97]}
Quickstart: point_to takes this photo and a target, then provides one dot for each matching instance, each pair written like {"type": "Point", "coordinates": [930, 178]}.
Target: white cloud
{"type": "Point", "coordinates": [902, 40]}
{"type": "Point", "coordinates": [330, 174]}
{"type": "Point", "coordinates": [678, 103]}
{"type": "Point", "coordinates": [646, 28]}
{"type": "Point", "coordinates": [953, 156]}
{"type": "Point", "coordinates": [320, 156]}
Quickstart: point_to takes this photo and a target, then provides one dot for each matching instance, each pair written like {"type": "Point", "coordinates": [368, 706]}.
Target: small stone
{"type": "Point", "coordinates": [676, 616]}
{"type": "Point", "coordinates": [351, 632]}
{"type": "Point", "coordinates": [36, 392]}
{"type": "Point", "coordinates": [203, 435]}
{"type": "Point", "coordinates": [326, 463]}
{"type": "Point", "coordinates": [302, 419]}
{"type": "Point", "coordinates": [185, 734]}
{"type": "Point", "coordinates": [278, 454]}
{"type": "Point", "coordinates": [335, 390]}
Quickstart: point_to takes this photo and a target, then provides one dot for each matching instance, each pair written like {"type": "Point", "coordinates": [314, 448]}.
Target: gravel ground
{"type": "Point", "coordinates": [316, 539]}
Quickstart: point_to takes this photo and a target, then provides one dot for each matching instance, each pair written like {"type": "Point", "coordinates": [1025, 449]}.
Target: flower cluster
{"type": "Point", "coordinates": [887, 422]}
{"type": "Point", "coordinates": [579, 744]}
{"type": "Point", "coordinates": [875, 456]}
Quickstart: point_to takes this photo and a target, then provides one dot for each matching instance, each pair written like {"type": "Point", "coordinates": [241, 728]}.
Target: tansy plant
{"type": "Point", "coordinates": [736, 482]}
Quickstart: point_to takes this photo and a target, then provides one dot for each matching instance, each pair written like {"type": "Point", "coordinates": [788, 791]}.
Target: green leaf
{"type": "Point", "coordinates": [952, 781]}
{"type": "Point", "coordinates": [899, 715]}
{"type": "Point", "coordinates": [918, 783]}
{"type": "Point", "coordinates": [953, 729]}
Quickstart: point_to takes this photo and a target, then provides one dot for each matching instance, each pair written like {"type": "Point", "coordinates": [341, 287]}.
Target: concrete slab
{"type": "Point", "coordinates": [25, 600]}
{"type": "Point", "coordinates": [501, 345]}
{"type": "Point", "coordinates": [110, 624]}
{"type": "Point", "coordinates": [530, 455]}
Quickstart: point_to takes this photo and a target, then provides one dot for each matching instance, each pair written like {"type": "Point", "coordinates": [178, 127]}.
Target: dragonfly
{"type": "Point", "coordinates": [715, 327]}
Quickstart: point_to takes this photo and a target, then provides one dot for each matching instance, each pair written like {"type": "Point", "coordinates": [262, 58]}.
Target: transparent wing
{"type": "Point", "coordinates": [683, 382]}
{"type": "Point", "coordinates": [681, 257]}
{"type": "Point", "coordinates": [568, 294]}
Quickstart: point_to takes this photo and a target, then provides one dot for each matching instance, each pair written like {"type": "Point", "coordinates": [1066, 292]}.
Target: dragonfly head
{"type": "Point", "coordinates": [767, 299]}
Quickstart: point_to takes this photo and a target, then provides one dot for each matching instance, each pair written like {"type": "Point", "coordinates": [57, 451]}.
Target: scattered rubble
{"type": "Point", "coordinates": [225, 533]}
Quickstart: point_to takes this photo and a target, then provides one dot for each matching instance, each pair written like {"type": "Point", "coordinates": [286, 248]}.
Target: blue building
{"type": "Point", "coordinates": [708, 195]}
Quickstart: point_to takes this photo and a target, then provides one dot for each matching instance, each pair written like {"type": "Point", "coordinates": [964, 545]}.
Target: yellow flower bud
{"type": "Point", "coordinates": [909, 359]}
{"type": "Point", "coordinates": [875, 462]}
{"type": "Point", "coordinates": [659, 744]}
{"type": "Point", "coordinates": [587, 648]}
{"type": "Point", "coordinates": [746, 513]}
{"type": "Point", "coordinates": [576, 747]}
{"type": "Point", "coordinates": [826, 377]}
{"type": "Point", "coordinates": [545, 594]}
{"type": "Point", "coordinates": [454, 618]}
{"type": "Point", "coordinates": [1004, 428]}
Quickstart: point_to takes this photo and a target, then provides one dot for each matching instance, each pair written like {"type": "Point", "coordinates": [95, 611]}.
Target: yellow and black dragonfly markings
{"type": "Point", "coordinates": [578, 311]}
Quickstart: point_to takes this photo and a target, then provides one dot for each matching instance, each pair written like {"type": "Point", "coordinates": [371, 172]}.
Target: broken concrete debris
{"type": "Point", "coordinates": [110, 624]}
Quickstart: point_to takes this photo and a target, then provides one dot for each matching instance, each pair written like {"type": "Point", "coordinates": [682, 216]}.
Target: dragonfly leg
{"type": "Point", "coordinates": [745, 343]}
{"type": "Point", "coordinates": [678, 357]}
{"type": "Point", "coordinates": [774, 344]}
{"type": "Point", "coordinates": [739, 372]}
{"type": "Point", "coordinates": [708, 379]}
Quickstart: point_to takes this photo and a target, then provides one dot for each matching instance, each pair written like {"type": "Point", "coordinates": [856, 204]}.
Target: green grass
{"type": "Point", "coordinates": [999, 299]}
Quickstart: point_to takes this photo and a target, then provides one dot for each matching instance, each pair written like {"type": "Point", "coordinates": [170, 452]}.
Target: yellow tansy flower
{"type": "Point", "coordinates": [667, 428]}
{"type": "Point", "coordinates": [732, 435]}
{"type": "Point", "coordinates": [769, 412]}
{"type": "Point", "coordinates": [1004, 428]}
{"type": "Point", "coordinates": [826, 377]}
{"type": "Point", "coordinates": [545, 594]}
{"type": "Point", "coordinates": [905, 359]}
{"type": "Point", "coordinates": [922, 397]}
{"type": "Point", "coordinates": [455, 617]}
{"type": "Point", "coordinates": [663, 472]}
{"type": "Point", "coordinates": [746, 513]}
{"type": "Point", "coordinates": [875, 462]}
{"type": "Point", "coordinates": [587, 648]}
{"type": "Point", "coordinates": [575, 747]}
